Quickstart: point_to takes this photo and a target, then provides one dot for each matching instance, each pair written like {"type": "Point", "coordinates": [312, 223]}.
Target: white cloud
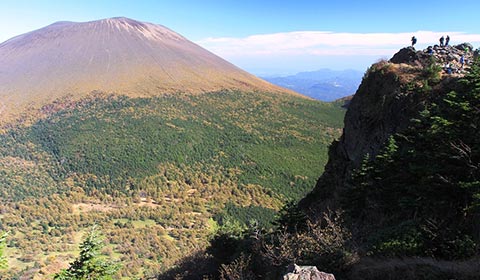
{"type": "Point", "coordinates": [311, 50]}
{"type": "Point", "coordinates": [326, 43]}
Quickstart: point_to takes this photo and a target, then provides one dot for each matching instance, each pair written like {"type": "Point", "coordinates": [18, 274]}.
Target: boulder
{"type": "Point", "coordinates": [453, 57]}
{"type": "Point", "coordinates": [463, 46]}
{"type": "Point", "coordinates": [405, 55]}
{"type": "Point", "coordinates": [296, 272]}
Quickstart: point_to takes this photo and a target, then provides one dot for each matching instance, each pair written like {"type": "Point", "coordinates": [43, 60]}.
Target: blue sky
{"type": "Point", "coordinates": [268, 37]}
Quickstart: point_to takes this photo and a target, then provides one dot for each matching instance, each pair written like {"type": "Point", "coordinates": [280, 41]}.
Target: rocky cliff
{"type": "Point", "coordinates": [391, 93]}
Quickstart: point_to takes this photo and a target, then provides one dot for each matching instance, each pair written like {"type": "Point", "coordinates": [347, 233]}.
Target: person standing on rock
{"type": "Point", "coordinates": [441, 41]}
{"type": "Point", "coordinates": [447, 40]}
{"type": "Point", "coordinates": [462, 60]}
{"type": "Point", "coordinates": [430, 50]}
{"type": "Point", "coordinates": [414, 40]}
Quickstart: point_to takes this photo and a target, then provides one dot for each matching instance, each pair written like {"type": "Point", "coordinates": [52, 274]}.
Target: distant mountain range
{"type": "Point", "coordinates": [323, 84]}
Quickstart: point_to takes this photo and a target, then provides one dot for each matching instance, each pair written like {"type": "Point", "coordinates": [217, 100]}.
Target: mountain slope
{"type": "Point", "coordinates": [111, 55]}
{"type": "Point", "coordinates": [168, 170]}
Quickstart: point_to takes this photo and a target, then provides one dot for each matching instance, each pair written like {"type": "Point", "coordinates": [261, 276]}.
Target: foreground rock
{"type": "Point", "coordinates": [306, 273]}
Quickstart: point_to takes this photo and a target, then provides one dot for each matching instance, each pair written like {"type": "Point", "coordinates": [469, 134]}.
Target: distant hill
{"type": "Point", "coordinates": [325, 84]}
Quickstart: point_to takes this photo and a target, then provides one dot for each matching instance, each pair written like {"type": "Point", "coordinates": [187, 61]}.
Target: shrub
{"type": "Point", "coordinates": [323, 244]}
{"type": "Point", "coordinates": [238, 269]}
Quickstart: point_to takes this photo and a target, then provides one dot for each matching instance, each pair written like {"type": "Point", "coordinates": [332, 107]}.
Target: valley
{"type": "Point", "coordinates": [157, 175]}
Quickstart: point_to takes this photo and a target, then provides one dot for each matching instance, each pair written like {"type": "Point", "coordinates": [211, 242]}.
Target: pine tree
{"type": "Point", "coordinates": [291, 218]}
{"type": "Point", "coordinates": [89, 265]}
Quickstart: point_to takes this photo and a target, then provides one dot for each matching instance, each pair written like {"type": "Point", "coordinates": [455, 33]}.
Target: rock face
{"type": "Point", "coordinates": [112, 55]}
{"type": "Point", "coordinates": [306, 273]}
{"type": "Point", "coordinates": [405, 55]}
{"type": "Point", "coordinates": [383, 105]}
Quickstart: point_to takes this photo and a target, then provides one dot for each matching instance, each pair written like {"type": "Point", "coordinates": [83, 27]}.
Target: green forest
{"type": "Point", "coordinates": [159, 176]}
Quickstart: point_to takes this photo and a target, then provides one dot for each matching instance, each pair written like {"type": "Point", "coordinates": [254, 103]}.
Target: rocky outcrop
{"type": "Point", "coordinates": [443, 56]}
{"type": "Point", "coordinates": [306, 273]}
{"type": "Point", "coordinates": [390, 95]}
{"type": "Point", "coordinates": [379, 108]}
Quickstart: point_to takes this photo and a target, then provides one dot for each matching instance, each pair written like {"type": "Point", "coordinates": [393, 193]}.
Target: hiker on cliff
{"type": "Point", "coordinates": [447, 40]}
{"type": "Point", "coordinates": [414, 40]}
{"type": "Point", "coordinates": [441, 41]}
{"type": "Point", "coordinates": [462, 60]}
{"type": "Point", "coordinates": [430, 50]}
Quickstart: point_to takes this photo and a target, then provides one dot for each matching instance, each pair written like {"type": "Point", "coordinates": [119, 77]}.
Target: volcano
{"type": "Point", "coordinates": [115, 55]}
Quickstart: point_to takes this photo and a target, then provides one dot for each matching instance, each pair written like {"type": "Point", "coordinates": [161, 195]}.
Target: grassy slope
{"type": "Point", "coordinates": [250, 150]}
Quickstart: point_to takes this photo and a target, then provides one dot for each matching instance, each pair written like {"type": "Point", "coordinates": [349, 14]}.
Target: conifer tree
{"type": "Point", "coordinates": [89, 265]}
{"type": "Point", "coordinates": [292, 218]}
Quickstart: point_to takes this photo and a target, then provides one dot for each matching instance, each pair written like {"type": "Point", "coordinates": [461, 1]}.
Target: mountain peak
{"type": "Point", "coordinates": [121, 20]}
{"type": "Point", "coordinates": [148, 30]}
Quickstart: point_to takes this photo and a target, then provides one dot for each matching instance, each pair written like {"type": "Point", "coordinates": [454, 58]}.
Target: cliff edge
{"type": "Point", "coordinates": [390, 95]}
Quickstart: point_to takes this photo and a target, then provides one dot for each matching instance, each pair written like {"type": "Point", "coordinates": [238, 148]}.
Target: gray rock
{"type": "Point", "coordinates": [453, 57]}
{"type": "Point", "coordinates": [463, 46]}
{"type": "Point", "coordinates": [306, 273]}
